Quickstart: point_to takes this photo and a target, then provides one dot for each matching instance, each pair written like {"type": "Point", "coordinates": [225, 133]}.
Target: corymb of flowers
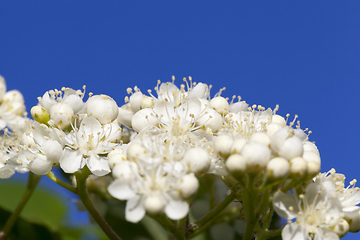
{"type": "Point", "coordinates": [163, 151]}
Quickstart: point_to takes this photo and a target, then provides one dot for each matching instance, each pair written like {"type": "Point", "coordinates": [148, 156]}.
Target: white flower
{"type": "Point", "coordinates": [87, 145]}
{"type": "Point", "coordinates": [316, 212]}
{"type": "Point", "coordinates": [12, 108]}
{"type": "Point", "coordinates": [155, 192]}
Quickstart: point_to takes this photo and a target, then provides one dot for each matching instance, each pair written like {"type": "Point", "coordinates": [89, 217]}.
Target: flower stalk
{"type": "Point", "coordinates": [81, 177]}
{"type": "Point", "coordinates": [33, 180]}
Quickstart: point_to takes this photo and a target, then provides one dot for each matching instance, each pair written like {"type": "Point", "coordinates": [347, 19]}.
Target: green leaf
{"type": "Point", "coordinates": [44, 207]}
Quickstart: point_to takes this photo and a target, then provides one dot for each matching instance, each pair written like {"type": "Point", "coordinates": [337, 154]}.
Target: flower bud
{"type": "Point", "coordinates": [292, 147]}
{"type": "Point", "coordinates": [154, 205]}
{"type": "Point", "coordinates": [143, 119]}
{"type": "Point", "coordinates": [135, 101]}
{"type": "Point", "coordinates": [125, 116]}
{"type": "Point", "coordinates": [238, 145]}
{"type": "Point", "coordinates": [256, 155]}
{"type": "Point", "coordinates": [222, 145]}
{"type": "Point", "coordinates": [353, 218]}
{"type": "Point", "coordinates": [313, 168]}
{"type": "Point", "coordinates": [116, 156]}
{"type": "Point", "coordinates": [342, 228]}
{"type": "Point", "coordinates": [311, 157]}
{"type": "Point", "coordinates": [124, 170]}
{"type": "Point", "coordinates": [103, 108]}
{"type": "Point", "coordinates": [134, 151]}
{"type": "Point", "coordinates": [210, 119]}
{"type": "Point", "coordinates": [61, 114]}
{"type": "Point", "coordinates": [220, 104]}
{"type": "Point", "coordinates": [39, 114]}
{"type": "Point", "coordinates": [260, 137]}
{"type": "Point", "coordinates": [277, 168]}
{"type": "Point", "coordinates": [272, 128]}
{"type": "Point", "coordinates": [236, 164]}
{"type": "Point", "coordinates": [147, 102]}
{"type": "Point", "coordinates": [279, 120]}
{"type": "Point", "coordinates": [189, 185]}
{"type": "Point", "coordinates": [298, 167]}
{"type": "Point", "coordinates": [198, 160]}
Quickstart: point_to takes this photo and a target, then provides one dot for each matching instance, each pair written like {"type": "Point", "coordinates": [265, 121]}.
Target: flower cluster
{"type": "Point", "coordinates": [159, 144]}
{"type": "Point", "coordinates": [325, 209]}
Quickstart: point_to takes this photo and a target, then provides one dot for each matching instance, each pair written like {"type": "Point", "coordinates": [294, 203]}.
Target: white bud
{"type": "Point", "coordinates": [353, 218]}
{"type": "Point", "coordinates": [124, 170]}
{"type": "Point", "coordinates": [135, 101]}
{"type": "Point", "coordinates": [154, 204]}
{"type": "Point", "coordinates": [236, 164]}
{"type": "Point", "coordinates": [125, 116]}
{"type": "Point", "coordinates": [311, 157]}
{"type": "Point", "coordinates": [272, 128]}
{"type": "Point", "coordinates": [103, 108]}
{"type": "Point", "coordinates": [313, 168]}
{"type": "Point", "coordinates": [238, 145]}
{"type": "Point", "coordinates": [142, 119]}
{"type": "Point", "coordinates": [222, 145]}
{"type": "Point", "coordinates": [292, 147]}
{"type": "Point", "coordinates": [309, 146]}
{"type": "Point", "coordinates": [300, 134]}
{"type": "Point", "coordinates": [260, 137]}
{"type": "Point", "coordinates": [188, 186]}
{"type": "Point", "coordinates": [75, 102]}
{"type": "Point", "coordinates": [298, 167]}
{"type": "Point", "coordinates": [342, 228]}
{"type": "Point", "coordinates": [238, 106]}
{"type": "Point", "coordinates": [134, 151]}
{"type": "Point", "coordinates": [61, 114]}
{"type": "Point", "coordinates": [220, 104]}
{"type": "Point", "coordinates": [279, 120]}
{"type": "Point", "coordinates": [198, 160]}
{"type": "Point", "coordinates": [201, 90]}
{"type": "Point", "coordinates": [277, 168]}
{"type": "Point", "coordinates": [147, 102]}
{"type": "Point", "coordinates": [115, 156]}
{"type": "Point", "coordinates": [256, 155]}
{"type": "Point", "coordinates": [210, 119]}
{"type": "Point", "coordinates": [278, 138]}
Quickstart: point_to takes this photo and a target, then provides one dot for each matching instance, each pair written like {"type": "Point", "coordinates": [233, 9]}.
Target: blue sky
{"type": "Point", "coordinates": [303, 55]}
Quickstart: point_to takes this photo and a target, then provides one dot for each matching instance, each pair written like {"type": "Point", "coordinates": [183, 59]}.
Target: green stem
{"type": "Point", "coordinates": [32, 183]}
{"type": "Point", "coordinates": [210, 216]}
{"type": "Point", "coordinates": [269, 234]}
{"type": "Point", "coordinates": [53, 177]}
{"type": "Point", "coordinates": [249, 205]}
{"type": "Point", "coordinates": [81, 191]}
{"type": "Point", "coordinates": [267, 219]}
{"type": "Point", "coordinates": [169, 225]}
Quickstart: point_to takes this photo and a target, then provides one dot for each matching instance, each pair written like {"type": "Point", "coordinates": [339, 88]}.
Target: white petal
{"type": "Point", "coordinates": [98, 165]}
{"type": "Point", "coordinates": [71, 161]}
{"type": "Point", "coordinates": [176, 210]}
{"type": "Point", "coordinates": [40, 167]}
{"type": "Point", "coordinates": [293, 232]}
{"type": "Point", "coordinates": [52, 150]}
{"type": "Point", "coordinates": [282, 202]}
{"type": "Point", "coordinates": [121, 190]}
{"type": "Point", "coordinates": [134, 210]}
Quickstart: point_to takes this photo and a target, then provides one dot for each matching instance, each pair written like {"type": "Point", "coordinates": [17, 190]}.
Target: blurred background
{"type": "Point", "coordinates": [303, 55]}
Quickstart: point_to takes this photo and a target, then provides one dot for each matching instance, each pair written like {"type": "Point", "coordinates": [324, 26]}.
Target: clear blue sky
{"type": "Point", "coordinates": [303, 55]}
